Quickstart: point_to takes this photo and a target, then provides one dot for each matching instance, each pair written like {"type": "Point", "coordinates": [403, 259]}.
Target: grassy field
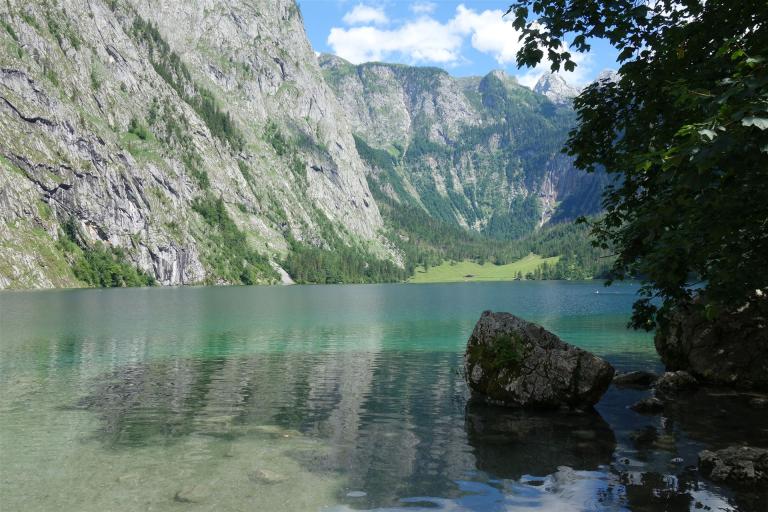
{"type": "Point", "coordinates": [469, 271]}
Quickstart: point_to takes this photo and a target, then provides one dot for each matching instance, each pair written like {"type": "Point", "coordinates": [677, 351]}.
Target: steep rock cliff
{"type": "Point", "coordinates": [480, 152]}
{"type": "Point", "coordinates": [197, 137]}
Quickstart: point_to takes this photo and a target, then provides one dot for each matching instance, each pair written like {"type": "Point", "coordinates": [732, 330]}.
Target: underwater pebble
{"type": "Point", "coordinates": [265, 476]}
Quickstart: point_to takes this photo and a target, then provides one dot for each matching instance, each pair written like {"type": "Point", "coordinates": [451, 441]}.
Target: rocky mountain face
{"type": "Point", "coordinates": [554, 87]}
{"type": "Point", "coordinates": [480, 152]}
{"type": "Point", "coordinates": [203, 141]}
{"type": "Point", "coordinates": [193, 139]}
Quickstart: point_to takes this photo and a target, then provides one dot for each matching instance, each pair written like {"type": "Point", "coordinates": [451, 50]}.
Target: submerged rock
{"type": "Point", "coordinates": [736, 465]}
{"type": "Point", "coordinates": [513, 362]}
{"type": "Point", "coordinates": [265, 476]}
{"type": "Point", "coordinates": [731, 350]}
{"type": "Point", "coordinates": [637, 380]}
{"type": "Point", "coordinates": [650, 405]}
{"type": "Point", "coordinates": [676, 383]}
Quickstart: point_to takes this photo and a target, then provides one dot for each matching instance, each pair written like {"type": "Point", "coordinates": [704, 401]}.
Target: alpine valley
{"type": "Point", "coordinates": [180, 142]}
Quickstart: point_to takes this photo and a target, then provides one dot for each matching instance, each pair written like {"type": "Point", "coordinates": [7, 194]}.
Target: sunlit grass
{"type": "Point", "coordinates": [448, 272]}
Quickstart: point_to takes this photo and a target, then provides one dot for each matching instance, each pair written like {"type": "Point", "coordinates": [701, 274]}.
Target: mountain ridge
{"type": "Point", "coordinates": [476, 151]}
{"type": "Point", "coordinates": [204, 142]}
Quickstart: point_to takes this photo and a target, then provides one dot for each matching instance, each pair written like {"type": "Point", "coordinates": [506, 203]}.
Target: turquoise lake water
{"type": "Point", "coordinates": [321, 398]}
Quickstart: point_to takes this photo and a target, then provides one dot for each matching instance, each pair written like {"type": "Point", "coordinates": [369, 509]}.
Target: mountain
{"type": "Point", "coordinates": [482, 153]}
{"type": "Point", "coordinates": [184, 137]}
{"type": "Point", "coordinates": [204, 142]}
{"type": "Point", "coordinates": [556, 89]}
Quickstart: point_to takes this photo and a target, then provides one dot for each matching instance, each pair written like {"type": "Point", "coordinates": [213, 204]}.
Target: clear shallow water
{"type": "Point", "coordinates": [325, 398]}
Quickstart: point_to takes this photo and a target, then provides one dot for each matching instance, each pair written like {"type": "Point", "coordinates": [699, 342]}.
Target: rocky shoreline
{"type": "Point", "coordinates": [524, 368]}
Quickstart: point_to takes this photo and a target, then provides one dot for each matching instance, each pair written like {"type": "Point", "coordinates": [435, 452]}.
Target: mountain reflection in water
{"type": "Point", "coordinates": [331, 398]}
{"type": "Point", "coordinates": [401, 428]}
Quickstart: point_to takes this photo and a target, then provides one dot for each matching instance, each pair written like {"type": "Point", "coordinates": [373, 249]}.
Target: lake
{"type": "Point", "coordinates": [327, 398]}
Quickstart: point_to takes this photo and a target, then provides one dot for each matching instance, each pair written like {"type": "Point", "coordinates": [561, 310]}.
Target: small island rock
{"type": "Point", "coordinates": [650, 405]}
{"type": "Point", "coordinates": [736, 465]}
{"type": "Point", "coordinates": [676, 383]}
{"type": "Point", "coordinates": [513, 362]}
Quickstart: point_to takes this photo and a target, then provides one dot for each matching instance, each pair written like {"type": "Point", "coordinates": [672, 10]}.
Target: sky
{"type": "Point", "coordinates": [463, 37]}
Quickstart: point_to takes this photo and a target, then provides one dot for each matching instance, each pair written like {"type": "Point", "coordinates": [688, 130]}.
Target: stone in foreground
{"type": "Point", "coordinates": [513, 362]}
{"type": "Point", "coordinates": [737, 465]}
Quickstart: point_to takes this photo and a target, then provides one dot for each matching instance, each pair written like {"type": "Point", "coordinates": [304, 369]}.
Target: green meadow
{"type": "Point", "coordinates": [456, 271]}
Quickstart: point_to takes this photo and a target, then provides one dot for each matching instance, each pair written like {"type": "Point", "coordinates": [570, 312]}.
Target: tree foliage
{"type": "Point", "coordinates": [172, 69]}
{"type": "Point", "coordinates": [685, 131]}
{"type": "Point", "coordinates": [229, 257]}
{"type": "Point", "coordinates": [97, 264]}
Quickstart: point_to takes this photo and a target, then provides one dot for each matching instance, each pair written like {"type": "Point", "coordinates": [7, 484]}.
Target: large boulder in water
{"type": "Point", "coordinates": [737, 465]}
{"type": "Point", "coordinates": [731, 349]}
{"type": "Point", "coordinates": [513, 362]}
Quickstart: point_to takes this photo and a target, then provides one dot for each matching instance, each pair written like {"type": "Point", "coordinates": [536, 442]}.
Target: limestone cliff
{"type": "Point", "coordinates": [481, 152]}
{"type": "Point", "coordinates": [130, 121]}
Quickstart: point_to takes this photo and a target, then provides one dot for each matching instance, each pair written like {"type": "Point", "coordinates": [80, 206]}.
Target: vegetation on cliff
{"type": "Point", "coordinates": [99, 265]}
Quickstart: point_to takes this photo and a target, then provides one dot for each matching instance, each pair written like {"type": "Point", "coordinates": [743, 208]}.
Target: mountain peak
{"type": "Point", "coordinates": [607, 75]}
{"type": "Point", "coordinates": [554, 87]}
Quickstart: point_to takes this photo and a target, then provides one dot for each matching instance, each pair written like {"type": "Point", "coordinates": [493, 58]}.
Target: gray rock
{"type": "Point", "coordinates": [637, 379]}
{"type": "Point", "coordinates": [66, 153]}
{"type": "Point", "coordinates": [731, 350]}
{"type": "Point", "coordinates": [676, 383]}
{"type": "Point", "coordinates": [736, 465]}
{"type": "Point", "coordinates": [395, 107]}
{"type": "Point", "coordinates": [650, 405]}
{"type": "Point", "coordinates": [516, 363]}
{"type": "Point", "coordinates": [266, 476]}
{"type": "Point", "coordinates": [556, 89]}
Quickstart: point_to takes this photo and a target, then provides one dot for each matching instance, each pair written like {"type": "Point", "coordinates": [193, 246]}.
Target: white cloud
{"type": "Point", "coordinates": [489, 33]}
{"type": "Point", "coordinates": [426, 40]}
{"type": "Point", "coordinates": [422, 40]}
{"type": "Point", "coordinates": [362, 14]}
{"type": "Point", "coordinates": [423, 7]}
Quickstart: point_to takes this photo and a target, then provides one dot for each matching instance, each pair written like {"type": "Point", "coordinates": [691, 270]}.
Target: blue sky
{"type": "Point", "coordinates": [465, 38]}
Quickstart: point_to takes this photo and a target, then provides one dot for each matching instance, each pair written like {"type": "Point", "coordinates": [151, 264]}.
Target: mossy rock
{"type": "Point", "coordinates": [513, 362]}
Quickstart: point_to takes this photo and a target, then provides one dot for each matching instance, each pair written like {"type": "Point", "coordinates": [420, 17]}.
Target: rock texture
{"type": "Point", "coordinates": [554, 87]}
{"type": "Point", "coordinates": [731, 350]}
{"type": "Point", "coordinates": [736, 465]}
{"type": "Point", "coordinates": [513, 362]}
{"type": "Point", "coordinates": [77, 77]}
{"type": "Point", "coordinates": [676, 383]}
{"type": "Point", "coordinates": [480, 152]}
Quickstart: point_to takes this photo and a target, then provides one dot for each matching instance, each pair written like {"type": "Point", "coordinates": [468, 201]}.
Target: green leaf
{"type": "Point", "coordinates": [644, 166]}
{"type": "Point", "coordinates": [626, 53]}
